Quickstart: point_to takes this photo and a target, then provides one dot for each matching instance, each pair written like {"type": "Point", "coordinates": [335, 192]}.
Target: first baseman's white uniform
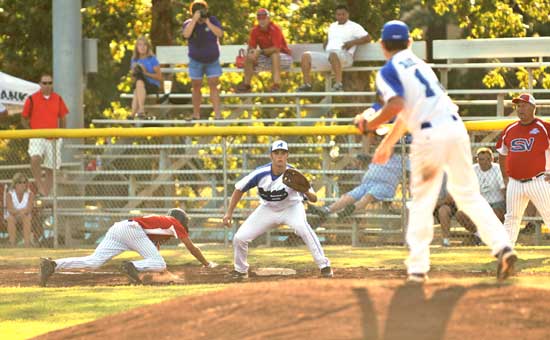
{"type": "Point", "coordinates": [440, 144]}
{"type": "Point", "coordinates": [279, 204]}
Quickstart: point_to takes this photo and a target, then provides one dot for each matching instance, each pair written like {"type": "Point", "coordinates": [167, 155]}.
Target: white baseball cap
{"type": "Point", "coordinates": [525, 97]}
{"type": "Point", "coordinates": [279, 145]}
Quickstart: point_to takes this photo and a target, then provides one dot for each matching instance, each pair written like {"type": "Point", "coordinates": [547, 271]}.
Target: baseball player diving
{"type": "Point", "coordinates": [140, 234]}
{"type": "Point", "coordinates": [412, 92]}
{"type": "Point", "coordinates": [524, 148]}
{"type": "Point", "coordinates": [279, 204]}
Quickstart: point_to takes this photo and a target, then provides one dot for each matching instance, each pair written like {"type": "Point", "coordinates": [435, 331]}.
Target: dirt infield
{"type": "Point", "coordinates": [335, 309]}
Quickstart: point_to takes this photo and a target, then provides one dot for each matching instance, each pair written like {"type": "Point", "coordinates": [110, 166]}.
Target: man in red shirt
{"type": "Point", "coordinates": [267, 50]}
{"type": "Point", "coordinates": [44, 109]}
{"type": "Point", "coordinates": [524, 148]}
{"type": "Point", "coordinates": [141, 234]}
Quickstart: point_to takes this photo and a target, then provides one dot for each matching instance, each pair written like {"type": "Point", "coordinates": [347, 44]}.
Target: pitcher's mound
{"type": "Point", "coordinates": [334, 309]}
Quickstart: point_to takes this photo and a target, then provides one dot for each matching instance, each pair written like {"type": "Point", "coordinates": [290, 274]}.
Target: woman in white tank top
{"type": "Point", "coordinates": [19, 204]}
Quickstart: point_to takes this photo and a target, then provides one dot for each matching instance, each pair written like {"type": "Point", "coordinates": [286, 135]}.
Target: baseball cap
{"type": "Point", "coordinates": [525, 97]}
{"type": "Point", "coordinates": [395, 30]}
{"type": "Point", "coordinates": [262, 12]}
{"type": "Point", "coordinates": [279, 145]}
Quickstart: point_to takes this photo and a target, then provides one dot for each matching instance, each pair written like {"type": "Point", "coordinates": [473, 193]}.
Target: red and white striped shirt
{"type": "Point", "coordinates": [526, 148]}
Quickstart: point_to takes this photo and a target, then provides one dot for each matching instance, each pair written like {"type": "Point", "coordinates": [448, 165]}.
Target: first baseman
{"type": "Point", "coordinates": [279, 204]}
{"type": "Point", "coordinates": [412, 92]}
{"type": "Point", "coordinates": [524, 148]}
{"type": "Point", "coordinates": [141, 234]}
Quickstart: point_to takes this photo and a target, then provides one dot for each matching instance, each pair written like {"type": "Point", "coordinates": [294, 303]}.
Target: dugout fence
{"type": "Point", "coordinates": [107, 175]}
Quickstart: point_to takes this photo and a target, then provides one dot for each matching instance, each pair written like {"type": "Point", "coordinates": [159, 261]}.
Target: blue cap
{"type": "Point", "coordinates": [395, 30]}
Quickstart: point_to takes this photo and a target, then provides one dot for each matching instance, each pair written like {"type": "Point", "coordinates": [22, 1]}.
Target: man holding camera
{"type": "Point", "coordinates": [203, 31]}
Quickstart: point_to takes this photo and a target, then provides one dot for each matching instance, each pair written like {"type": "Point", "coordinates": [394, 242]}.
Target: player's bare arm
{"type": "Point", "coordinates": [311, 196]}
{"type": "Point", "coordinates": [388, 111]}
{"type": "Point", "coordinates": [235, 198]}
{"type": "Point", "coordinates": [385, 149]}
{"type": "Point", "coordinates": [195, 251]}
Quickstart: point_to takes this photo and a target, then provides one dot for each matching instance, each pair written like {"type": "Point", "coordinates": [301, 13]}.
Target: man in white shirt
{"type": "Point", "coordinates": [491, 183]}
{"type": "Point", "coordinates": [343, 38]}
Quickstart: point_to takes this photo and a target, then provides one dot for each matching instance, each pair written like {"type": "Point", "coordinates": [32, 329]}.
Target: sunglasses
{"type": "Point", "coordinates": [261, 16]}
{"type": "Point", "coordinates": [47, 82]}
{"type": "Point", "coordinates": [21, 182]}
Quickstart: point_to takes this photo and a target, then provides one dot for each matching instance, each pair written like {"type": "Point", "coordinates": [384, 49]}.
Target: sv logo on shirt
{"type": "Point", "coordinates": [522, 144]}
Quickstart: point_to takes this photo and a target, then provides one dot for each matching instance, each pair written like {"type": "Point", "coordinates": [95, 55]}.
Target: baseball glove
{"type": "Point", "coordinates": [296, 180]}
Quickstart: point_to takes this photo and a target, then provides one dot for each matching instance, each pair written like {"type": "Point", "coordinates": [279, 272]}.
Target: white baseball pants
{"type": "Point", "coordinates": [122, 236]}
{"type": "Point", "coordinates": [445, 147]}
{"type": "Point", "coordinates": [517, 197]}
{"type": "Point", "coordinates": [264, 218]}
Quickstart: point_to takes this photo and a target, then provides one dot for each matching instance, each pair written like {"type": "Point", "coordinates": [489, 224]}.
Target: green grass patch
{"type": "Point", "coordinates": [28, 312]}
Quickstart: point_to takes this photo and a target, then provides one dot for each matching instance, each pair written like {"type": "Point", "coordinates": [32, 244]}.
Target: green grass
{"type": "Point", "coordinates": [30, 311]}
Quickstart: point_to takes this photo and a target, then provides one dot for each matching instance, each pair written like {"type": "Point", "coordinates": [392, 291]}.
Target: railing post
{"type": "Point", "coordinates": [225, 193]}
{"type": "Point", "coordinates": [530, 78]}
{"type": "Point", "coordinates": [404, 210]}
{"type": "Point", "coordinates": [500, 104]}
{"type": "Point", "coordinates": [354, 233]}
{"type": "Point", "coordinates": [444, 78]}
{"type": "Point", "coordinates": [54, 203]}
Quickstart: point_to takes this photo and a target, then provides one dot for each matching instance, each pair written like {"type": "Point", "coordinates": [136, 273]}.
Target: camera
{"type": "Point", "coordinates": [137, 71]}
{"type": "Point", "coordinates": [204, 14]}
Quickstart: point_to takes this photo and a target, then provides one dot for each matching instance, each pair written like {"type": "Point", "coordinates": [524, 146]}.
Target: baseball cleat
{"type": "Point", "coordinates": [347, 211]}
{"type": "Point", "coordinates": [238, 276]}
{"type": "Point", "coordinates": [47, 268]}
{"type": "Point", "coordinates": [327, 272]}
{"type": "Point", "coordinates": [506, 259]}
{"type": "Point", "coordinates": [322, 212]}
{"type": "Point", "coordinates": [417, 278]}
{"type": "Point", "coordinates": [131, 272]}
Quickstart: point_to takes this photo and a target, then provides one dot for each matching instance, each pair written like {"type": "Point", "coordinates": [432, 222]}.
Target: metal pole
{"type": "Point", "coordinates": [54, 194]}
{"type": "Point", "coordinates": [67, 57]}
{"type": "Point", "coordinates": [404, 210]}
{"type": "Point", "coordinates": [225, 193]}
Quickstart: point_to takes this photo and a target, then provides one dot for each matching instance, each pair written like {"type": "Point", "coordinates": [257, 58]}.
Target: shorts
{"type": "Point", "coordinates": [197, 69]}
{"type": "Point", "coordinates": [44, 148]}
{"type": "Point", "coordinates": [380, 190]}
{"type": "Point", "coordinates": [150, 88]}
{"type": "Point", "coordinates": [264, 62]}
{"type": "Point", "coordinates": [320, 62]}
{"type": "Point", "coordinates": [498, 205]}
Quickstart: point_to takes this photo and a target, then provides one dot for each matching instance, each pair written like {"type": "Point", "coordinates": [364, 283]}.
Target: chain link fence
{"type": "Point", "coordinates": [103, 180]}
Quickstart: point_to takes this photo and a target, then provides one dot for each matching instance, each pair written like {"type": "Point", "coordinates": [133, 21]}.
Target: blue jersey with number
{"type": "Point", "coordinates": [407, 76]}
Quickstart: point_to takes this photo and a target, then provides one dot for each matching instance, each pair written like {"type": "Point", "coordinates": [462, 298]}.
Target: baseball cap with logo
{"type": "Point", "coordinates": [525, 97]}
{"type": "Point", "coordinates": [395, 30]}
{"type": "Point", "coordinates": [262, 12]}
{"type": "Point", "coordinates": [279, 145]}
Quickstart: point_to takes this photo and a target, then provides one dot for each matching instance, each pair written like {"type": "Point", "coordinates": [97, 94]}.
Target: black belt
{"type": "Point", "coordinates": [427, 125]}
{"type": "Point", "coordinates": [525, 180]}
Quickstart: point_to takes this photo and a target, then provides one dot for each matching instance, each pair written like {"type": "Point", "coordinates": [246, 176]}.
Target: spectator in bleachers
{"type": "Point", "coordinates": [146, 75]}
{"type": "Point", "coordinates": [491, 183]}
{"type": "Point", "coordinates": [3, 110]}
{"type": "Point", "coordinates": [445, 210]}
{"type": "Point", "coordinates": [267, 50]}
{"type": "Point", "coordinates": [203, 31]}
{"type": "Point", "coordinates": [19, 204]}
{"type": "Point", "coordinates": [44, 109]}
{"type": "Point", "coordinates": [343, 38]}
{"type": "Point", "coordinates": [378, 184]}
